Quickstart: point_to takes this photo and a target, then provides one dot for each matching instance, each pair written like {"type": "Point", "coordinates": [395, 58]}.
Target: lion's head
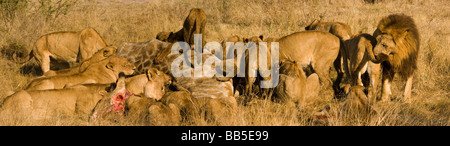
{"type": "Point", "coordinates": [398, 43]}
{"type": "Point", "coordinates": [157, 81]}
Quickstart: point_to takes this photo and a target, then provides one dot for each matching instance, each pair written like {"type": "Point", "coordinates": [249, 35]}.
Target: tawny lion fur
{"type": "Point", "coordinates": [356, 61]}
{"type": "Point", "coordinates": [66, 46]}
{"type": "Point", "coordinates": [98, 56]}
{"type": "Point", "coordinates": [103, 72]}
{"type": "Point", "coordinates": [398, 43]}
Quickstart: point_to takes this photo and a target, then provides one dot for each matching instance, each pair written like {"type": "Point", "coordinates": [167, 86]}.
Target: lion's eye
{"type": "Point", "coordinates": [384, 46]}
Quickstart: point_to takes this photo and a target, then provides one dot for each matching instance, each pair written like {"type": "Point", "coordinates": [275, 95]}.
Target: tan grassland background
{"type": "Point", "coordinates": [121, 21]}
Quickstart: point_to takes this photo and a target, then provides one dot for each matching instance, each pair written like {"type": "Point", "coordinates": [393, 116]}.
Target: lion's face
{"type": "Point", "coordinates": [119, 64]}
{"type": "Point", "coordinates": [385, 46]}
{"type": "Point", "coordinates": [155, 87]}
{"type": "Point", "coordinates": [166, 79]}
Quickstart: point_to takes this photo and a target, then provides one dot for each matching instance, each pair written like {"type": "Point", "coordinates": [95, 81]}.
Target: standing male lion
{"type": "Point", "coordinates": [397, 48]}
{"type": "Point", "coordinates": [65, 46]}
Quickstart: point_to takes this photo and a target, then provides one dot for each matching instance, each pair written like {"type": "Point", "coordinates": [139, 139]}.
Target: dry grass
{"type": "Point", "coordinates": [139, 20]}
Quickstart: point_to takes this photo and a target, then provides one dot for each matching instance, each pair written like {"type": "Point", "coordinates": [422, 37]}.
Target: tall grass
{"type": "Point", "coordinates": [121, 21]}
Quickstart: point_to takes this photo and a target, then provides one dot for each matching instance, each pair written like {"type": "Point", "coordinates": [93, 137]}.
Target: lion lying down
{"type": "Point", "coordinates": [82, 100]}
{"type": "Point", "coordinates": [98, 56]}
{"type": "Point", "coordinates": [74, 101]}
{"type": "Point", "coordinates": [103, 72]}
{"type": "Point", "coordinates": [143, 106]}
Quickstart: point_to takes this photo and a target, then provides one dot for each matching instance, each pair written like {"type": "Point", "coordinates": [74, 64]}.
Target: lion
{"type": "Point", "coordinates": [98, 56]}
{"type": "Point", "coordinates": [139, 104]}
{"type": "Point", "coordinates": [210, 96]}
{"type": "Point", "coordinates": [105, 71]}
{"type": "Point", "coordinates": [230, 45]}
{"type": "Point", "coordinates": [294, 85]}
{"type": "Point", "coordinates": [357, 102]}
{"type": "Point", "coordinates": [398, 49]}
{"type": "Point", "coordinates": [341, 30]}
{"type": "Point", "coordinates": [224, 53]}
{"type": "Point", "coordinates": [139, 84]}
{"type": "Point", "coordinates": [66, 47]}
{"type": "Point", "coordinates": [75, 101]}
{"type": "Point", "coordinates": [315, 49]}
{"type": "Point", "coordinates": [356, 61]}
{"type": "Point", "coordinates": [194, 24]}
{"type": "Point", "coordinates": [249, 81]}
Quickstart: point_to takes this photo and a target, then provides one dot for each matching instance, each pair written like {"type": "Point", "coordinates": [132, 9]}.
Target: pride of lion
{"type": "Point", "coordinates": [134, 81]}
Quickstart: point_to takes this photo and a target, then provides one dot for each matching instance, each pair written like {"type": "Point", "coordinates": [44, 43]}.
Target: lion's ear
{"type": "Point", "coordinates": [109, 65]}
{"type": "Point", "coordinates": [245, 40]}
{"type": "Point", "coordinates": [105, 53]}
{"type": "Point", "coordinates": [261, 37]}
{"type": "Point", "coordinates": [149, 75]}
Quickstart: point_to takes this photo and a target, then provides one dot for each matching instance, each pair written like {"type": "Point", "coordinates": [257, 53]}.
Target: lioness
{"type": "Point", "coordinates": [249, 81]}
{"type": "Point", "coordinates": [150, 112]}
{"type": "Point", "coordinates": [98, 56]}
{"type": "Point", "coordinates": [105, 71]}
{"type": "Point", "coordinates": [141, 107]}
{"type": "Point", "coordinates": [356, 55]}
{"type": "Point", "coordinates": [65, 46]}
{"type": "Point", "coordinates": [343, 32]}
{"type": "Point", "coordinates": [357, 102]}
{"type": "Point", "coordinates": [214, 98]}
{"type": "Point", "coordinates": [79, 101]}
{"type": "Point", "coordinates": [139, 84]}
{"type": "Point", "coordinates": [294, 85]}
{"type": "Point", "coordinates": [316, 48]}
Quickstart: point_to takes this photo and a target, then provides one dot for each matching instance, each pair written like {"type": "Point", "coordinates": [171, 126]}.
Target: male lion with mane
{"type": "Point", "coordinates": [397, 48]}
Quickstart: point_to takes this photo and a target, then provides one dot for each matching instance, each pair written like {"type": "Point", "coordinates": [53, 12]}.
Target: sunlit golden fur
{"type": "Point", "coordinates": [105, 71]}
{"type": "Point", "coordinates": [341, 30]}
{"type": "Point", "coordinates": [294, 85]}
{"type": "Point", "coordinates": [403, 31]}
{"type": "Point", "coordinates": [317, 49]}
{"type": "Point", "coordinates": [356, 61]}
{"type": "Point", "coordinates": [98, 56]}
{"type": "Point", "coordinates": [398, 43]}
{"type": "Point", "coordinates": [66, 46]}
{"type": "Point", "coordinates": [357, 102]}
